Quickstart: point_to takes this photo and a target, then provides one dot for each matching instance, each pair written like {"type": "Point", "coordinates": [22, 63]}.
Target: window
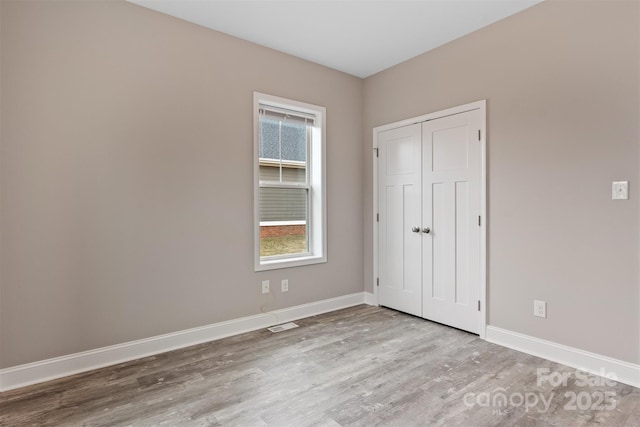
{"type": "Point", "coordinates": [289, 181]}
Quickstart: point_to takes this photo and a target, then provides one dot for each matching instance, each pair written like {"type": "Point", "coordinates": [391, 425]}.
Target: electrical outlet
{"type": "Point", "coordinates": [265, 286]}
{"type": "Point", "coordinates": [284, 285]}
{"type": "Point", "coordinates": [540, 309]}
{"type": "Point", "coordinates": [620, 190]}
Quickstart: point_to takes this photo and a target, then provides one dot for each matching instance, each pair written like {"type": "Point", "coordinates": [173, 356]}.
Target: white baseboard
{"type": "Point", "coordinates": [369, 298]}
{"type": "Point", "coordinates": [45, 370]}
{"type": "Point", "coordinates": [625, 372]}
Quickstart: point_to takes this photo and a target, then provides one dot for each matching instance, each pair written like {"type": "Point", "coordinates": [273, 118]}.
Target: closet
{"type": "Point", "coordinates": [430, 234]}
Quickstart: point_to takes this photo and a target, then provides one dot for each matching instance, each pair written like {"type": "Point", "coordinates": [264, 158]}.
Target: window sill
{"type": "Point", "coordinates": [289, 262]}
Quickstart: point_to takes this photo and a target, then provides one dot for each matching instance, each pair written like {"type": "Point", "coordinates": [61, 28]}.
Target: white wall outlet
{"type": "Point", "coordinates": [540, 309]}
{"type": "Point", "coordinates": [265, 286]}
{"type": "Point", "coordinates": [620, 190]}
{"type": "Point", "coordinates": [284, 285]}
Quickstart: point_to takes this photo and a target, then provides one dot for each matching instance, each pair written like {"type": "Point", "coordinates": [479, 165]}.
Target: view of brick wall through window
{"type": "Point", "coordinates": [282, 230]}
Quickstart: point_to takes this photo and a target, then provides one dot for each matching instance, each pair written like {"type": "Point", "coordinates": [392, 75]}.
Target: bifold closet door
{"type": "Point", "coordinates": [451, 207]}
{"type": "Point", "coordinates": [429, 231]}
{"type": "Point", "coordinates": [399, 204]}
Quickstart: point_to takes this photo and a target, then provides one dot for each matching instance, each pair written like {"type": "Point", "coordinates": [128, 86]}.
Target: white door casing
{"type": "Point", "coordinates": [451, 189]}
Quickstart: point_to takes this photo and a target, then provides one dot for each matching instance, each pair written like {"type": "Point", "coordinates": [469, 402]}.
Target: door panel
{"type": "Point", "coordinates": [436, 250]}
{"type": "Point", "coordinates": [399, 190]}
{"type": "Point", "coordinates": [450, 150]}
{"type": "Point", "coordinates": [462, 243]}
{"type": "Point", "coordinates": [451, 205]}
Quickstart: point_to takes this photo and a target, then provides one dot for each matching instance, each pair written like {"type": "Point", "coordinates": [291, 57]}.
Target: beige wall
{"type": "Point", "coordinates": [123, 129]}
{"type": "Point", "coordinates": [561, 81]}
{"type": "Point", "coordinates": [127, 195]}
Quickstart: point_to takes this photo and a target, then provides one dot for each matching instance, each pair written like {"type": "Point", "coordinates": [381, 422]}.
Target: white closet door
{"type": "Point", "coordinates": [451, 174]}
{"type": "Point", "coordinates": [400, 239]}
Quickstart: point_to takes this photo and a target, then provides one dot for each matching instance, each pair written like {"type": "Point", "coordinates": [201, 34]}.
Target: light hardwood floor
{"type": "Point", "coordinates": [361, 366]}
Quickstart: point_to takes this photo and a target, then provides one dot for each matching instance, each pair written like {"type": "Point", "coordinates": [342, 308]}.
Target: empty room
{"type": "Point", "coordinates": [319, 213]}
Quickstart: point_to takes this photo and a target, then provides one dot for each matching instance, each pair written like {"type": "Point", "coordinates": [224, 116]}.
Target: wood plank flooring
{"type": "Point", "coordinates": [361, 366]}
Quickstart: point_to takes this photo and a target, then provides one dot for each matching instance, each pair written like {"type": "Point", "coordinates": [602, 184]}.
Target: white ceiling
{"type": "Point", "coordinates": [359, 37]}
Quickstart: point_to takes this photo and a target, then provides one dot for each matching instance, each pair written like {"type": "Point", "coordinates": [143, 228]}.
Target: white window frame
{"type": "Point", "coordinates": [316, 169]}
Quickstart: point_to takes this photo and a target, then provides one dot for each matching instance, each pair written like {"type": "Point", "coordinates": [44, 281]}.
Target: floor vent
{"type": "Point", "coordinates": [283, 327]}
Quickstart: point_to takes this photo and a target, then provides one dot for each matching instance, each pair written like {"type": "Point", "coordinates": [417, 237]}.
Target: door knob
{"type": "Point", "coordinates": [416, 229]}
{"type": "Point", "coordinates": [426, 230]}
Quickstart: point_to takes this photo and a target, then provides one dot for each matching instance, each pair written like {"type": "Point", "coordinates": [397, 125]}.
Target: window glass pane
{"type": "Point", "coordinates": [282, 146]}
{"type": "Point", "coordinates": [294, 141]}
{"type": "Point", "coordinates": [269, 139]}
{"type": "Point", "coordinates": [271, 173]}
{"type": "Point", "coordinates": [283, 221]}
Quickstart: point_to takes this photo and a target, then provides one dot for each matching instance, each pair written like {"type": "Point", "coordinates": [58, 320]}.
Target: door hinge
{"type": "Point", "coordinates": [377, 217]}
{"type": "Point", "coordinates": [479, 221]}
{"type": "Point", "coordinates": [479, 139]}
{"type": "Point", "coordinates": [377, 153]}
{"type": "Point", "coordinates": [377, 281]}
{"type": "Point", "coordinates": [478, 305]}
